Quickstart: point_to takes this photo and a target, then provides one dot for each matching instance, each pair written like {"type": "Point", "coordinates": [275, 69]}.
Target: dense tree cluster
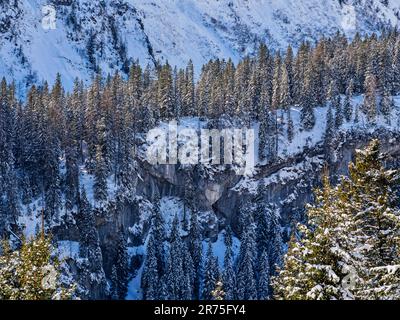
{"type": "Point", "coordinates": [31, 273]}
{"type": "Point", "coordinates": [350, 250]}
{"type": "Point", "coordinates": [177, 267]}
{"type": "Point", "coordinates": [46, 142]}
{"type": "Point", "coordinates": [96, 125]}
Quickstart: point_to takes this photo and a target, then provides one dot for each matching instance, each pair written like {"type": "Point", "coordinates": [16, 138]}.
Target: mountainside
{"type": "Point", "coordinates": [109, 34]}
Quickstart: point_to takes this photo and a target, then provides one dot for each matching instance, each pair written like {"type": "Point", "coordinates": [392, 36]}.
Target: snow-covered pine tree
{"type": "Point", "coordinates": [195, 249]}
{"type": "Point", "coordinates": [347, 107]}
{"type": "Point", "coordinates": [329, 129]}
{"type": "Point", "coordinates": [285, 97]}
{"type": "Point", "coordinates": [276, 83]}
{"type": "Point", "coordinates": [263, 135]}
{"type": "Point", "coordinates": [72, 148]}
{"type": "Point", "coordinates": [275, 252]}
{"type": "Point", "coordinates": [210, 276]}
{"type": "Point", "coordinates": [165, 92]}
{"type": "Point", "coordinates": [263, 284]}
{"type": "Point", "coordinates": [246, 287]}
{"type": "Point", "coordinates": [386, 105]}
{"type": "Point", "coordinates": [8, 187]}
{"type": "Point", "coordinates": [89, 249]}
{"type": "Point", "coordinates": [189, 274]}
{"type": "Point", "coordinates": [31, 273]}
{"type": "Point", "coordinates": [114, 283]}
{"type": "Point", "coordinates": [229, 80]}
{"type": "Point", "coordinates": [396, 68]}
{"type": "Point", "coordinates": [262, 220]}
{"type": "Point", "coordinates": [372, 194]}
{"type": "Point", "coordinates": [159, 236]}
{"type": "Point", "coordinates": [175, 274]}
{"type": "Point", "coordinates": [316, 265]}
{"type": "Point", "coordinates": [350, 249]}
{"type": "Point", "coordinates": [229, 275]}
{"type": "Point", "coordinates": [290, 126]}
{"type": "Point", "coordinates": [369, 103]}
{"type": "Point", "coordinates": [100, 176]}
{"type": "Point", "coordinates": [122, 266]}
{"type": "Point", "coordinates": [307, 116]}
{"type": "Point", "coordinates": [150, 275]}
{"type": "Point", "coordinates": [335, 103]}
{"type": "Point", "coordinates": [189, 96]}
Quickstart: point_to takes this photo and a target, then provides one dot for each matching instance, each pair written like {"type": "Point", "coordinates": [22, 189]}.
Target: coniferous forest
{"type": "Point", "coordinates": [74, 181]}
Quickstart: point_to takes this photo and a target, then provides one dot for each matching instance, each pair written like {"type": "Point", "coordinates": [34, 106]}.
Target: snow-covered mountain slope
{"type": "Point", "coordinates": [108, 34]}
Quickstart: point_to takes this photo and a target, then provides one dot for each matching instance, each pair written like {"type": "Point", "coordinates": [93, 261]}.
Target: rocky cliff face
{"type": "Point", "coordinates": [289, 184]}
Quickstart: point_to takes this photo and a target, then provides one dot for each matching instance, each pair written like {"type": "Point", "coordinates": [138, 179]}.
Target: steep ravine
{"type": "Point", "coordinates": [289, 186]}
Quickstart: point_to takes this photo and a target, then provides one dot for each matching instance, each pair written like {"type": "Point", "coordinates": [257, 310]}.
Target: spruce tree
{"type": "Point", "coordinates": [210, 276]}
{"type": "Point", "coordinates": [100, 178]}
{"type": "Point", "coordinates": [31, 272]}
{"type": "Point", "coordinates": [290, 126]}
{"type": "Point", "coordinates": [114, 283]}
{"type": "Point", "coordinates": [195, 250]}
{"type": "Point", "coordinates": [372, 193]}
{"type": "Point", "coordinates": [347, 108]}
{"type": "Point", "coordinates": [122, 266]}
{"type": "Point", "coordinates": [275, 252]}
{"type": "Point", "coordinates": [350, 248]}
{"type": "Point", "coordinates": [316, 265]}
{"type": "Point", "coordinates": [263, 284]}
{"type": "Point", "coordinates": [150, 275]}
{"type": "Point", "coordinates": [386, 106]}
{"type": "Point", "coordinates": [369, 103]}
{"type": "Point", "coordinates": [307, 116]}
{"type": "Point", "coordinates": [246, 287]}
{"type": "Point", "coordinates": [175, 273]}
{"type": "Point", "coordinates": [229, 275]}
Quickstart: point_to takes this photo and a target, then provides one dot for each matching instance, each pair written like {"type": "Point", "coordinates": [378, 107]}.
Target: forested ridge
{"type": "Point", "coordinates": [48, 139]}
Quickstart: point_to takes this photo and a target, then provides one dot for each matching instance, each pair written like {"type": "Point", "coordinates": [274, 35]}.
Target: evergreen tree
{"type": "Point", "coordinates": [229, 276]}
{"type": "Point", "coordinates": [263, 136]}
{"type": "Point", "coordinates": [285, 97]}
{"type": "Point", "coordinates": [89, 249]}
{"type": "Point", "coordinates": [195, 249]}
{"type": "Point", "coordinates": [338, 112]}
{"type": "Point", "coordinates": [114, 283]}
{"type": "Point", "coordinates": [275, 252]}
{"type": "Point", "coordinates": [159, 237]}
{"type": "Point", "coordinates": [122, 265]}
{"type": "Point", "coordinates": [264, 277]}
{"type": "Point", "coordinates": [386, 105]}
{"type": "Point", "coordinates": [189, 274]}
{"type": "Point", "coordinates": [307, 117]}
{"type": "Point", "coordinates": [369, 104]}
{"type": "Point", "coordinates": [246, 287]}
{"type": "Point", "coordinates": [31, 273]}
{"type": "Point", "coordinates": [316, 265]}
{"type": "Point", "coordinates": [290, 126]}
{"type": "Point", "coordinates": [189, 96]}
{"type": "Point", "coordinates": [175, 274]}
{"type": "Point", "coordinates": [347, 108]}
{"type": "Point", "coordinates": [150, 276]}
{"type": "Point", "coordinates": [210, 274]}
{"type": "Point", "coordinates": [350, 250]}
{"type": "Point", "coordinates": [372, 194]}
{"type": "Point", "coordinates": [329, 129]}
{"type": "Point", "coordinates": [165, 92]}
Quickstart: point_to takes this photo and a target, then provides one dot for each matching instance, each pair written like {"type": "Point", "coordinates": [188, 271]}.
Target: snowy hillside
{"type": "Point", "coordinates": [109, 34]}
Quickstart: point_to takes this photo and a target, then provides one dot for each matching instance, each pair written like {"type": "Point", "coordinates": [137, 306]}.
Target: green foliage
{"type": "Point", "coordinates": [350, 249]}
{"type": "Point", "coordinates": [31, 273]}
